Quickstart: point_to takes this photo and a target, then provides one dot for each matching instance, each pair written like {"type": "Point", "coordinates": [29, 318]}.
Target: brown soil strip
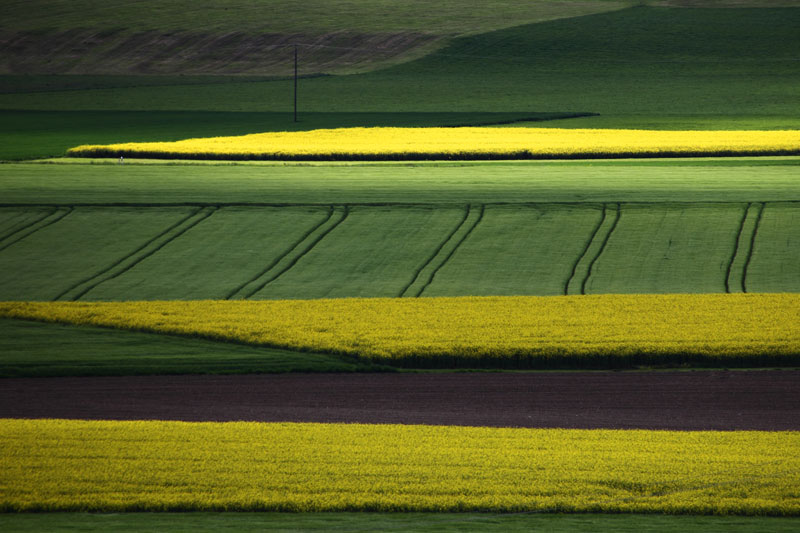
{"type": "Point", "coordinates": [699, 400]}
{"type": "Point", "coordinates": [87, 51]}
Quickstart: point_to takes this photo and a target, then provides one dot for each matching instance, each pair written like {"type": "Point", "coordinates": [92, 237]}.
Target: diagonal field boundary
{"type": "Point", "coordinates": [28, 229]}
{"type": "Point", "coordinates": [743, 249]}
{"type": "Point", "coordinates": [127, 262]}
{"type": "Point", "coordinates": [596, 247]}
{"type": "Point", "coordinates": [580, 269]}
{"type": "Point", "coordinates": [427, 273]}
{"type": "Point", "coordinates": [288, 259]}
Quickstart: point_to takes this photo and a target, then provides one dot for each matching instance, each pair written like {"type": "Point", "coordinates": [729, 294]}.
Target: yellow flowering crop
{"type": "Point", "coordinates": [516, 331]}
{"type": "Point", "coordinates": [70, 465]}
{"type": "Point", "coordinates": [459, 143]}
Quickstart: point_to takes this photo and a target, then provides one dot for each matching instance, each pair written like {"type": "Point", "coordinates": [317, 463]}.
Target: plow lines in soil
{"type": "Point", "coordinates": [67, 465]}
{"type": "Point", "coordinates": [459, 143]}
{"type": "Point", "coordinates": [595, 331]}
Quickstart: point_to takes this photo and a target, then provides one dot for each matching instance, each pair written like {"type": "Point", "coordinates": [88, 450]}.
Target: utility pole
{"type": "Point", "coordinates": [295, 83]}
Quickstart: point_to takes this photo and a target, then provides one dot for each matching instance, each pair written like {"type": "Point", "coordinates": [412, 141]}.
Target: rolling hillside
{"type": "Point", "coordinates": [640, 67]}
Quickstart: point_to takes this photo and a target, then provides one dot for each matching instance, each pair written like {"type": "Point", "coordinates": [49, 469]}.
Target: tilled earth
{"type": "Point", "coordinates": [690, 400]}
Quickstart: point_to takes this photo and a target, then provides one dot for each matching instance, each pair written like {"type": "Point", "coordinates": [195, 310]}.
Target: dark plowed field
{"type": "Point", "coordinates": [699, 400]}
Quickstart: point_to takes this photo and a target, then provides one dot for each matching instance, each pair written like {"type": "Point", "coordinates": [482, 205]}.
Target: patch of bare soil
{"type": "Point", "coordinates": [82, 51]}
{"type": "Point", "coordinates": [698, 400]}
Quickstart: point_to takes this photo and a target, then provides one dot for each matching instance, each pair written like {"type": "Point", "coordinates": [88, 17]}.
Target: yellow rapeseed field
{"type": "Point", "coordinates": [513, 331]}
{"type": "Point", "coordinates": [70, 465]}
{"type": "Point", "coordinates": [459, 143]}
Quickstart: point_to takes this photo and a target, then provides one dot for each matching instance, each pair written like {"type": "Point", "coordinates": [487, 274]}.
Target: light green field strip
{"type": "Point", "coordinates": [102, 466]}
{"type": "Point", "coordinates": [775, 262]}
{"type": "Point", "coordinates": [740, 180]}
{"type": "Point", "coordinates": [581, 270]}
{"type": "Point", "coordinates": [86, 288]}
{"type": "Point", "coordinates": [518, 250]}
{"type": "Point", "coordinates": [213, 257]}
{"type": "Point", "coordinates": [375, 251]}
{"type": "Point", "coordinates": [667, 249]}
{"type": "Point", "coordinates": [737, 268]}
{"type": "Point", "coordinates": [424, 276]}
{"type": "Point", "coordinates": [82, 245]}
{"type": "Point", "coordinates": [281, 264]}
{"type": "Point", "coordinates": [269, 252]}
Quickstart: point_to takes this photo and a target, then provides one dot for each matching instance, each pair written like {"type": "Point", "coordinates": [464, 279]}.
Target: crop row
{"type": "Point", "coordinates": [517, 332]}
{"type": "Point", "coordinates": [459, 143]}
{"type": "Point", "coordinates": [69, 465]}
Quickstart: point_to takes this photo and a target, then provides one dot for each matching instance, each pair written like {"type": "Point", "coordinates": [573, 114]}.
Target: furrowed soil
{"type": "Point", "coordinates": [766, 400]}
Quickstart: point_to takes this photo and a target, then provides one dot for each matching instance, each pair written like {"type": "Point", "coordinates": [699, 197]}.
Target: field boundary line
{"type": "Point", "coordinates": [342, 211]}
{"type": "Point", "coordinates": [449, 204]}
{"type": "Point", "coordinates": [140, 254]}
{"type": "Point", "coordinates": [33, 227]}
{"type": "Point", "coordinates": [279, 258]}
{"type": "Point", "coordinates": [456, 245]}
{"type": "Point", "coordinates": [590, 268]}
{"type": "Point", "coordinates": [586, 247]}
{"type": "Point", "coordinates": [435, 252]}
{"type": "Point", "coordinates": [753, 235]}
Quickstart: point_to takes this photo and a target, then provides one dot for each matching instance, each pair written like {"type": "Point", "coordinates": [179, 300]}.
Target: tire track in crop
{"type": "Point", "coordinates": [26, 225]}
{"type": "Point", "coordinates": [611, 227]}
{"type": "Point", "coordinates": [29, 229]}
{"type": "Point", "coordinates": [438, 249]}
{"type": "Point", "coordinates": [280, 257]}
{"type": "Point", "coordinates": [443, 255]}
{"type": "Point", "coordinates": [144, 251]}
{"type": "Point", "coordinates": [743, 249]}
{"type": "Point", "coordinates": [753, 235]}
{"type": "Point", "coordinates": [282, 265]}
{"type": "Point", "coordinates": [572, 280]}
{"type": "Point", "coordinates": [736, 247]}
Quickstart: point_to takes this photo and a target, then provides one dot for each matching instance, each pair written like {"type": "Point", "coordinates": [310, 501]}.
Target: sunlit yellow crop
{"type": "Point", "coordinates": [595, 330]}
{"type": "Point", "coordinates": [68, 465]}
{"type": "Point", "coordinates": [458, 143]}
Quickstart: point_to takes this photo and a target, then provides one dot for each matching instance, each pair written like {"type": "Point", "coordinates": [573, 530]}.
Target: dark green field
{"type": "Point", "coordinates": [27, 351]}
